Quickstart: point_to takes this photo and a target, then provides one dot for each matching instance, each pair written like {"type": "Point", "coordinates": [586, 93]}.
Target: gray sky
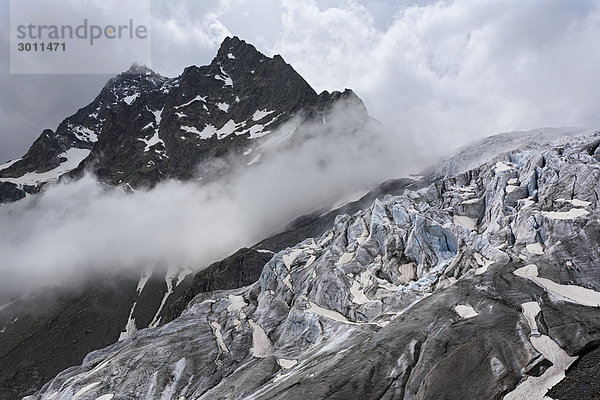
{"type": "Point", "coordinates": [442, 72]}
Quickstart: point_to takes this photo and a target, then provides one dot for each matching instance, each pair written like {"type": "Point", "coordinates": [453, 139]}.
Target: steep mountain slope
{"type": "Point", "coordinates": [141, 129]}
{"type": "Point", "coordinates": [55, 153]}
{"type": "Point", "coordinates": [108, 308]}
{"type": "Point", "coordinates": [479, 285]}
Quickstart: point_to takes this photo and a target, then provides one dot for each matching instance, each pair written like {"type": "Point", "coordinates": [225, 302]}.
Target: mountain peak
{"type": "Point", "coordinates": [126, 134]}
{"type": "Point", "coordinates": [137, 69]}
{"type": "Point", "coordinates": [235, 48]}
{"type": "Point", "coordinates": [232, 41]}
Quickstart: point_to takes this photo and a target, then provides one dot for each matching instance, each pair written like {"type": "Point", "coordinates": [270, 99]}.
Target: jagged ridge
{"type": "Point", "coordinates": [143, 128]}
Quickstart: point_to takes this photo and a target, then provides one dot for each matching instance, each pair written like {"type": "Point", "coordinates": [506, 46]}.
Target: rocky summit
{"type": "Point", "coordinates": [143, 128]}
{"type": "Point", "coordinates": [478, 280]}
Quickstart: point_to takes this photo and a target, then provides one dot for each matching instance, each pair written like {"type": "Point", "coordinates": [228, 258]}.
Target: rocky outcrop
{"type": "Point", "coordinates": [479, 285]}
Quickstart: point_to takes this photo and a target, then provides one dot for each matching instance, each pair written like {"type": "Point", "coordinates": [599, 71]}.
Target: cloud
{"type": "Point", "coordinates": [74, 228]}
{"type": "Point", "coordinates": [442, 72]}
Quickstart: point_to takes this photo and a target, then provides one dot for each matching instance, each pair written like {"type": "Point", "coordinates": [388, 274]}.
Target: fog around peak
{"type": "Point", "coordinates": [76, 227]}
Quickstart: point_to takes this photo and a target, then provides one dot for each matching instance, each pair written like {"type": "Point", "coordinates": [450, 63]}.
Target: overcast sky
{"type": "Point", "coordinates": [442, 72]}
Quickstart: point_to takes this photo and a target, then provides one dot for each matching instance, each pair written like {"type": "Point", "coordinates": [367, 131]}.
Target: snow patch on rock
{"type": "Point", "coordinates": [465, 311]}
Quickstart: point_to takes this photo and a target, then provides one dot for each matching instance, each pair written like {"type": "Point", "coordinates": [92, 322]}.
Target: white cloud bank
{"type": "Point", "coordinates": [77, 227]}
{"type": "Point", "coordinates": [444, 70]}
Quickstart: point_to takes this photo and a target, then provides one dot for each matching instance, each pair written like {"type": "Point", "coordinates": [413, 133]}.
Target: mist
{"type": "Point", "coordinates": [74, 228]}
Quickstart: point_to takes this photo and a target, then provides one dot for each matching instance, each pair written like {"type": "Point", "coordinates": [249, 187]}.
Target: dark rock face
{"type": "Point", "coordinates": [78, 132]}
{"type": "Point", "coordinates": [9, 192]}
{"type": "Point", "coordinates": [55, 330]}
{"type": "Point", "coordinates": [417, 296]}
{"type": "Point", "coordinates": [225, 108]}
{"type": "Point", "coordinates": [582, 378]}
{"type": "Point", "coordinates": [42, 157]}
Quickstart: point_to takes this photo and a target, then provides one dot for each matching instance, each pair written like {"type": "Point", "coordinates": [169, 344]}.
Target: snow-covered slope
{"type": "Point", "coordinates": [480, 285]}
{"type": "Point", "coordinates": [481, 150]}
